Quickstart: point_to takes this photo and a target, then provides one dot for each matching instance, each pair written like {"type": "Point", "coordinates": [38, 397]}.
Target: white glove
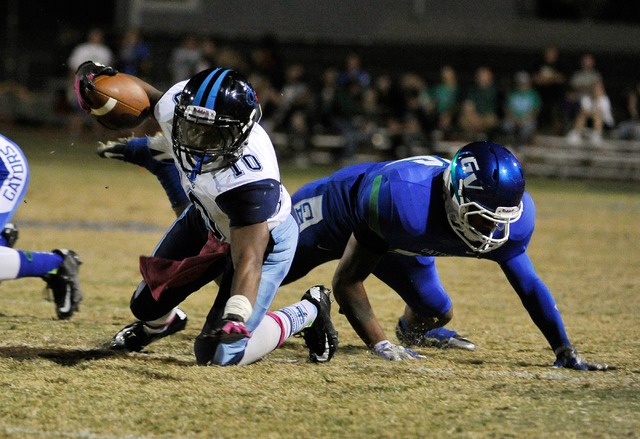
{"type": "Point", "coordinates": [395, 352]}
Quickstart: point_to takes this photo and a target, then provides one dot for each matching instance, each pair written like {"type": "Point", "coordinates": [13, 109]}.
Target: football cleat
{"type": "Point", "coordinates": [321, 336]}
{"type": "Point", "coordinates": [10, 234]}
{"type": "Point", "coordinates": [64, 284]}
{"type": "Point", "coordinates": [440, 338]}
{"type": "Point", "coordinates": [135, 336]}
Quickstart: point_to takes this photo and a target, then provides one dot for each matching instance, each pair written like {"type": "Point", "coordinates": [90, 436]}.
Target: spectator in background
{"type": "Point", "coordinates": [580, 85]}
{"type": "Point", "coordinates": [595, 109]}
{"type": "Point", "coordinates": [585, 79]}
{"type": "Point", "coordinates": [134, 57]}
{"type": "Point", "coordinates": [391, 106]}
{"type": "Point", "coordinates": [550, 82]}
{"type": "Point", "coordinates": [295, 95]}
{"type": "Point", "coordinates": [521, 110]}
{"type": "Point", "coordinates": [327, 101]}
{"type": "Point", "coordinates": [266, 60]}
{"type": "Point", "coordinates": [209, 53]}
{"type": "Point", "coordinates": [340, 111]}
{"type": "Point", "coordinates": [294, 113]}
{"type": "Point", "coordinates": [479, 112]}
{"type": "Point", "coordinates": [629, 129]}
{"type": "Point", "coordinates": [268, 97]}
{"type": "Point", "coordinates": [93, 48]}
{"type": "Point", "coordinates": [348, 119]}
{"type": "Point", "coordinates": [353, 72]}
{"type": "Point", "coordinates": [228, 56]}
{"type": "Point", "coordinates": [185, 59]}
{"type": "Point", "coordinates": [420, 118]}
{"type": "Point", "coordinates": [446, 95]}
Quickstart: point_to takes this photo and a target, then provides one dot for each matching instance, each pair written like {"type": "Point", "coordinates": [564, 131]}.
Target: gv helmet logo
{"type": "Point", "coordinates": [469, 166]}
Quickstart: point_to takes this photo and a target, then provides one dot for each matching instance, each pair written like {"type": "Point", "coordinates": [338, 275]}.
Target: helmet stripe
{"type": "Point", "coordinates": [198, 97]}
{"type": "Point", "coordinates": [202, 95]}
{"type": "Point", "coordinates": [213, 93]}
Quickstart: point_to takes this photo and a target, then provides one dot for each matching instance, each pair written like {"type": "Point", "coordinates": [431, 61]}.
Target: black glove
{"type": "Point", "coordinates": [85, 74]}
{"type": "Point", "coordinates": [567, 356]}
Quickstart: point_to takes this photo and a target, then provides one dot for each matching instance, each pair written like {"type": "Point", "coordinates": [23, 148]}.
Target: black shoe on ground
{"type": "Point", "coordinates": [64, 284]}
{"type": "Point", "coordinates": [321, 337]}
{"type": "Point", "coordinates": [134, 337]}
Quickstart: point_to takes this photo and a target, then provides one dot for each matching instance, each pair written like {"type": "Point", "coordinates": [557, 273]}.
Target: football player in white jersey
{"type": "Point", "coordinates": [229, 171]}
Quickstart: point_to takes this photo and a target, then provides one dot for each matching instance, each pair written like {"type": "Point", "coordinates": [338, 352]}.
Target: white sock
{"type": "Point", "coordinates": [10, 266]}
{"type": "Point", "coordinates": [276, 327]}
{"type": "Point", "coordinates": [159, 325]}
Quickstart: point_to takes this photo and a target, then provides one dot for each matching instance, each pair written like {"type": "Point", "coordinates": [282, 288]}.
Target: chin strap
{"type": "Point", "coordinates": [196, 169]}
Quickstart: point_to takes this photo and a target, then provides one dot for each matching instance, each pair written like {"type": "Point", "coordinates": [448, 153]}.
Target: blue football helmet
{"type": "Point", "coordinates": [483, 190]}
{"type": "Point", "coordinates": [212, 119]}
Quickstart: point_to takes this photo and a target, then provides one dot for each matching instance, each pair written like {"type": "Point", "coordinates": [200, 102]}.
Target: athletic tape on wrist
{"type": "Point", "coordinates": [239, 305]}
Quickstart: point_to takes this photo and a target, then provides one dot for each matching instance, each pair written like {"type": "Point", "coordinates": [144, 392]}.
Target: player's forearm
{"type": "Point", "coordinates": [536, 298]}
{"type": "Point", "coordinates": [354, 304]}
{"type": "Point", "coordinates": [356, 265]}
{"type": "Point", "coordinates": [246, 280]}
{"type": "Point", "coordinates": [543, 311]}
{"type": "Point", "coordinates": [248, 245]}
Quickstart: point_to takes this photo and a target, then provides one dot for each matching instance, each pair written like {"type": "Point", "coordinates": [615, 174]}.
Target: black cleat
{"type": "Point", "coordinates": [134, 337]}
{"type": "Point", "coordinates": [321, 336]}
{"type": "Point", "coordinates": [10, 234]}
{"type": "Point", "coordinates": [440, 338]}
{"type": "Point", "coordinates": [64, 284]}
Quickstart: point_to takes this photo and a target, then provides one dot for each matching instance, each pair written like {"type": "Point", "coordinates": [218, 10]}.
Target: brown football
{"type": "Point", "coordinates": [118, 102]}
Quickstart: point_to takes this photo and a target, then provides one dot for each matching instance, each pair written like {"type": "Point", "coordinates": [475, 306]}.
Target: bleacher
{"type": "Point", "coordinates": [554, 156]}
{"type": "Point", "coordinates": [550, 156]}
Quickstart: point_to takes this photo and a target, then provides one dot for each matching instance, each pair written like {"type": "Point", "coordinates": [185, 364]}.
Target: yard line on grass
{"type": "Point", "coordinates": [17, 431]}
{"type": "Point", "coordinates": [128, 226]}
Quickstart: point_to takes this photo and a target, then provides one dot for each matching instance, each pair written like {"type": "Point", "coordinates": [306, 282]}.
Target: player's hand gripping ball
{"type": "Point", "coordinates": [116, 100]}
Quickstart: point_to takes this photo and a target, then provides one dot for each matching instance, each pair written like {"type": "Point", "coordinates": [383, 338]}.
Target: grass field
{"type": "Point", "coordinates": [57, 380]}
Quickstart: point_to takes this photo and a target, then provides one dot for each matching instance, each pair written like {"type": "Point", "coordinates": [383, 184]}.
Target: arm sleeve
{"type": "Point", "coordinates": [251, 203]}
{"type": "Point", "coordinates": [149, 152]}
{"type": "Point", "coordinates": [536, 298]}
{"type": "Point", "coordinates": [168, 177]}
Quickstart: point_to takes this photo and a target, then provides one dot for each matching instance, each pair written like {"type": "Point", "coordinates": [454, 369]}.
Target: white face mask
{"type": "Point", "coordinates": [480, 228]}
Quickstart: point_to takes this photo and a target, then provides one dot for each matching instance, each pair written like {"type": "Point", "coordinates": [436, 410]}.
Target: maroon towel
{"type": "Point", "coordinates": [160, 273]}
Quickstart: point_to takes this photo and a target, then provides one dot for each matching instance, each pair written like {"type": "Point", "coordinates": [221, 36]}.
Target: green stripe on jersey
{"type": "Point", "coordinates": [374, 221]}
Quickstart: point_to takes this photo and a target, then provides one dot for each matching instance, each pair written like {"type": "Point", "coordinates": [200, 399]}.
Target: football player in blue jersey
{"type": "Point", "coordinates": [393, 219]}
{"type": "Point", "coordinates": [238, 228]}
{"type": "Point", "coordinates": [59, 268]}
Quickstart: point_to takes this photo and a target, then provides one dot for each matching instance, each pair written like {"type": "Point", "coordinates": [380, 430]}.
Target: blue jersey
{"type": "Point", "coordinates": [397, 209]}
{"type": "Point", "coordinates": [14, 179]}
{"type": "Point", "coordinates": [403, 205]}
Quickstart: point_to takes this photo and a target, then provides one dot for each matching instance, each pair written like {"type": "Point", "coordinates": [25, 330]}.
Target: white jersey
{"type": "Point", "coordinates": [257, 164]}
